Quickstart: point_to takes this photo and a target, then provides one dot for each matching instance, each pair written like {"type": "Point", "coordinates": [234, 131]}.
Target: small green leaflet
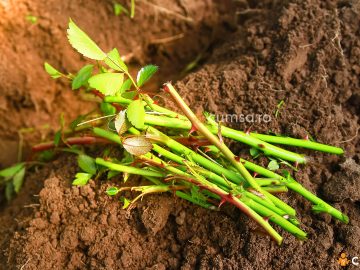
{"type": "Point", "coordinates": [57, 138]}
{"type": "Point", "coordinates": [107, 108]}
{"type": "Point", "coordinates": [137, 145]}
{"type": "Point", "coordinates": [9, 191]}
{"type": "Point", "coordinates": [11, 171]}
{"type": "Point", "coordinates": [114, 61]}
{"type": "Point", "coordinates": [136, 113]}
{"type": "Point", "coordinates": [54, 73]}
{"type": "Point", "coordinates": [82, 77]}
{"type": "Point", "coordinates": [126, 86]}
{"type": "Point", "coordinates": [112, 191]}
{"type": "Point", "coordinates": [273, 165]}
{"type": "Point", "coordinates": [83, 44]}
{"type": "Point", "coordinates": [254, 152]}
{"type": "Point", "coordinates": [145, 74]}
{"type": "Point", "coordinates": [126, 202]}
{"type": "Point", "coordinates": [129, 94]}
{"type": "Point", "coordinates": [31, 18]}
{"type": "Point", "coordinates": [107, 83]}
{"type": "Point", "coordinates": [18, 179]}
{"type": "Point", "coordinates": [46, 156]}
{"type": "Point", "coordinates": [118, 9]}
{"type": "Point", "coordinates": [87, 164]}
{"type": "Point", "coordinates": [81, 179]}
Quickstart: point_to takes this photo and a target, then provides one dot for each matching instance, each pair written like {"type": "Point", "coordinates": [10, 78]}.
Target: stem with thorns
{"type": "Point", "coordinates": [213, 139]}
{"type": "Point", "coordinates": [176, 122]}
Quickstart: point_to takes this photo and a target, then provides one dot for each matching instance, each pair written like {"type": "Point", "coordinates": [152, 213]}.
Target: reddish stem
{"type": "Point", "coordinates": [100, 95]}
{"type": "Point", "coordinates": [86, 140]}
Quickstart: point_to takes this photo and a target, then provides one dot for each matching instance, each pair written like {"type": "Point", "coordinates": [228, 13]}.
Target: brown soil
{"type": "Point", "coordinates": [303, 52]}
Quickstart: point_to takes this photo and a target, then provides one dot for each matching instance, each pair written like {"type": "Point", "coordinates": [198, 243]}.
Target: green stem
{"type": "Point", "coordinates": [299, 143]}
{"type": "Point", "coordinates": [127, 169]}
{"type": "Point", "coordinates": [275, 189]}
{"type": "Point", "coordinates": [236, 135]}
{"type": "Point", "coordinates": [213, 171]}
{"type": "Point", "coordinates": [226, 196]}
{"type": "Point", "coordinates": [263, 137]}
{"type": "Point", "coordinates": [160, 109]}
{"type": "Point", "coordinates": [213, 139]}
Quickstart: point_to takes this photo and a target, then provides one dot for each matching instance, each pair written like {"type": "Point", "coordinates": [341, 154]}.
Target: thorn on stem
{"type": "Point", "coordinates": [296, 164]}
{"type": "Point", "coordinates": [223, 200]}
{"type": "Point", "coordinates": [193, 129]}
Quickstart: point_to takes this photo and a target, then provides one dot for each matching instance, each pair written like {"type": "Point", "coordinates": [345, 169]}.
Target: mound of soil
{"type": "Point", "coordinates": [303, 52]}
{"type": "Point", "coordinates": [170, 34]}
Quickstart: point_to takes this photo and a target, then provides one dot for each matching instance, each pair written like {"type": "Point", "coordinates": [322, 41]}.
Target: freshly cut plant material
{"type": "Point", "coordinates": [199, 167]}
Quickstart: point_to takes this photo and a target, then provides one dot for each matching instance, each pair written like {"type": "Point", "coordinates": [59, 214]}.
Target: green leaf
{"type": "Point", "coordinates": [46, 156]}
{"type": "Point", "coordinates": [137, 145]}
{"type": "Point", "coordinates": [114, 61]}
{"type": "Point", "coordinates": [107, 83]}
{"type": "Point", "coordinates": [136, 114]}
{"type": "Point", "coordinates": [57, 138]}
{"type": "Point", "coordinates": [82, 77]}
{"type": "Point", "coordinates": [126, 177]}
{"type": "Point", "coordinates": [9, 191]}
{"type": "Point", "coordinates": [118, 9]}
{"type": "Point", "coordinates": [107, 108]}
{"type": "Point", "coordinates": [126, 86]}
{"type": "Point", "coordinates": [18, 179]}
{"type": "Point", "coordinates": [31, 18]}
{"type": "Point", "coordinates": [81, 179]}
{"type": "Point", "coordinates": [273, 165]}
{"type": "Point", "coordinates": [54, 73]}
{"type": "Point", "coordinates": [11, 171]}
{"type": "Point", "coordinates": [87, 164]}
{"type": "Point", "coordinates": [126, 202]}
{"type": "Point", "coordinates": [129, 94]}
{"type": "Point", "coordinates": [83, 43]}
{"type": "Point", "coordinates": [145, 74]}
{"type": "Point", "coordinates": [112, 191]}
{"type": "Point", "coordinates": [254, 152]}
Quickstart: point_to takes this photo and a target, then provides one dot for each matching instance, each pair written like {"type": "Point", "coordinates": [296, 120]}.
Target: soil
{"type": "Point", "coordinates": [303, 52]}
